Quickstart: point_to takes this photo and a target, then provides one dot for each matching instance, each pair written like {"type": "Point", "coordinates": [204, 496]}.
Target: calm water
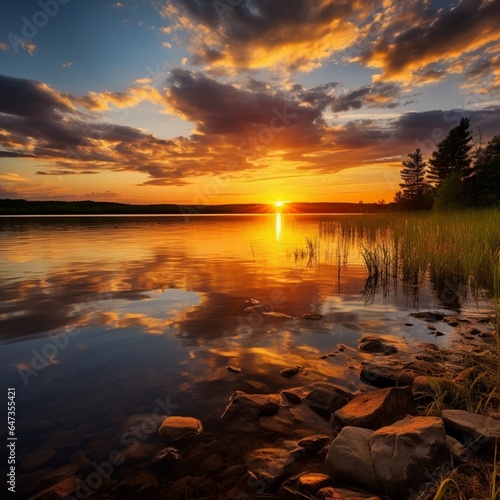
{"type": "Point", "coordinates": [102, 317]}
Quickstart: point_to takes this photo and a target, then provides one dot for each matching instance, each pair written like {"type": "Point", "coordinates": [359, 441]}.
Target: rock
{"type": "Point", "coordinates": [244, 410]}
{"type": "Point", "coordinates": [457, 449]}
{"type": "Point", "coordinates": [211, 464]}
{"type": "Point", "coordinates": [473, 331]}
{"type": "Point", "coordinates": [376, 409]}
{"type": "Point", "coordinates": [386, 375]}
{"type": "Point", "coordinates": [425, 367]}
{"type": "Point", "coordinates": [315, 442]}
{"type": "Point", "coordinates": [58, 491]}
{"type": "Point", "coordinates": [233, 369]}
{"type": "Point", "coordinates": [282, 422]}
{"type": "Point", "coordinates": [327, 397]}
{"type": "Point", "coordinates": [479, 429]}
{"type": "Point", "coordinates": [61, 439]}
{"type": "Point", "coordinates": [167, 454]}
{"type": "Point", "coordinates": [312, 316]}
{"type": "Point", "coordinates": [257, 308]}
{"type": "Point", "coordinates": [329, 493]}
{"type": "Point", "coordinates": [291, 397]}
{"type": "Point", "coordinates": [406, 452]}
{"type": "Point", "coordinates": [253, 302]}
{"type": "Point", "coordinates": [269, 464]}
{"type": "Point", "coordinates": [276, 314]}
{"type": "Point", "coordinates": [431, 327]}
{"type": "Point", "coordinates": [290, 372]}
{"type": "Point", "coordinates": [428, 315]}
{"type": "Point", "coordinates": [180, 489]}
{"type": "Point", "coordinates": [355, 495]}
{"type": "Point", "coordinates": [374, 344]}
{"type": "Point", "coordinates": [349, 459]}
{"type": "Point", "coordinates": [36, 459]}
{"type": "Point", "coordinates": [143, 482]}
{"type": "Point", "coordinates": [175, 428]}
{"type": "Point", "coordinates": [60, 474]}
{"type": "Point", "coordinates": [308, 483]}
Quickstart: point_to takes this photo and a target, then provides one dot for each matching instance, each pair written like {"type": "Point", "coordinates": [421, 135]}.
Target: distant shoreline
{"type": "Point", "coordinates": [26, 207]}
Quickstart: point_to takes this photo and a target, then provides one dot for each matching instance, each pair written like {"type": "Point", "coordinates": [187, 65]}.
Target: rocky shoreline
{"type": "Point", "coordinates": [316, 441]}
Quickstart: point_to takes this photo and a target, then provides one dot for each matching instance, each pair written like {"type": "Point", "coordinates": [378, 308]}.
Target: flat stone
{"type": "Point", "coordinates": [328, 397]}
{"type": "Point", "coordinates": [376, 409]}
{"type": "Point", "coordinates": [143, 482]}
{"type": "Point", "coordinates": [269, 464]}
{"type": "Point", "coordinates": [349, 459]}
{"type": "Point", "coordinates": [406, 452]}
{"type": "Point", "coordinates": [290, 372]}
{"type": "Point", "coordinates": [386, 375]}
{"type": "Point", "coordinates": [480, 429]}
{"type": "Point", "coordinates": [374, 344]}
{"type": "Point", "coordinates": [175, 428]}
{"type": "Point", "coordinates": [315, 442]}
{"type": "Point", "coordinates": [428, 315]}
{"type": "Point", "coordinates": [37, 458]}
{"type": "Point", "coordinates": [281, 423]}
{"type": "Point", "coordinates": [311, 482]}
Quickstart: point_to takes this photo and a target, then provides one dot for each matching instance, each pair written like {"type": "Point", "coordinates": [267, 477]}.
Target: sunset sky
{"type": "Point", "coordinates": [236, 101]}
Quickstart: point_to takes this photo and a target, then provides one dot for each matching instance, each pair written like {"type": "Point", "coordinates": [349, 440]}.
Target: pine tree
{"type": "Point", "coordinates": [452, 155]}
{"type": "Point", "coordinates": [414, 186]}
{"type": "Point", "coordinates": [485, 179]}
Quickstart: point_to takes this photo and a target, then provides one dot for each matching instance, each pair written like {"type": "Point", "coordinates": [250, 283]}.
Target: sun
{"type": "Point", "coordinates": [279, 204]}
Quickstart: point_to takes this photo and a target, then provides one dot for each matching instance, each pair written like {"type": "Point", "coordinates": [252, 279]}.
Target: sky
{"type": "Point", "coordinates": [237, 101]}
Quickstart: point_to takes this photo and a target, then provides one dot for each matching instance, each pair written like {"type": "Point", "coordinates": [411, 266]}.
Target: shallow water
{"type": "Point", "coordinates": [106, 317]}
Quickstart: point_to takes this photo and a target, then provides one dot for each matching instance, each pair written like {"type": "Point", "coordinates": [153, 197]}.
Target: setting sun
{"type": "Point", "coordinates": [279, 204]}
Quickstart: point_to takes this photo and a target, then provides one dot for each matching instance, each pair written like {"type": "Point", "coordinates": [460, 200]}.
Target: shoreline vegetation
{"type": "Point", "coordinates": [55, 207]}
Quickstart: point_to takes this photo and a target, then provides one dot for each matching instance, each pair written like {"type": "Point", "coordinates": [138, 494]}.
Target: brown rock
{"type": "Point", "coordinates": [175, 428]}
{"type": "Point", "coordinates": [58, 491]}
{"type": "Point", "coordinates": [376, 409]}
{"type": "Point", "coordinates": [269, 464]}
{"type": "Point", "coordinates": [406, 452]}
{"type": "Point", "coordinates": [327, 397]}
{"type": "Point", "coordinates": [386, 375]}
{"type": "Point", "coordinates": [374, 344]}
{"type": "Point", "coordinates": [483, 431]}
{"type": "Point", "coordinates": [349, 459]}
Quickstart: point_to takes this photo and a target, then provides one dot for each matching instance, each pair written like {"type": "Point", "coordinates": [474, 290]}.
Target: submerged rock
{"type": "Point", "coordinates": [175, 428]}
{"type": "Point", "coordinates": [276, 314]}
{"type": "Point", "coordinates": [270, 464]}
{"type": "Point", "coordinates": [312, 316]}
{"type": "Point", "coordinates": [290, 372]}
{"type": "Point", "coordinates": [377, 409]}
{"type": "Point", "coordinates": [374, 344]}
{"type": "Point", "coordinates": [167, 454]}
{"type": "Point", "coordinates": [259, 308]}
{"type": "Point", "coordinates": [428, 315]}
{"type": "Point", "coordinates": [233, 369]}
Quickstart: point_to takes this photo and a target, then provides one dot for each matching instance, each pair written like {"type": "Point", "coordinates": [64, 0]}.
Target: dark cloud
{"type": "Point", "coordinates": [25, 98]}
{"type": "Point", "coordinates": [379, 95]}
{"type": "Point", "coordinates": [65, 172]}
{"type": "Point", "coordinates": [432, 36]}
{"type": "Point", "coordinates": [224, 109]}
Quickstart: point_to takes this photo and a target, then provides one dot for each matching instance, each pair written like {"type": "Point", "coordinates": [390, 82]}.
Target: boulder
{"type": "Point", "coordinates": [386, 375]}
{"type": "Point", "coordinates": [478, 430]}
{"type": "Point", "coordinates": [349, 459]}
{"type": "Point", "coordinates": [375, 344]}
{"type": "Point", "coordinates": [376, 409]}
{"type": "Point", "coordinates": [270, 464]}
{"type": "Point", "coordinates": [58, 491]}
{"type": "Point", "coordinates": [327, 397]}
{"type": "Point", "coordinates": [175, 428]}
{"type": "Point", "coordinates": [407, 452]}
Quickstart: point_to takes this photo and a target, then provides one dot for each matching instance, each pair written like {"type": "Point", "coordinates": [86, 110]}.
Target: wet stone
{"type": "Point", "coordinates": [291, 397]}
{"type": "Point", "coordinates": [312, 316]}
{"type": "Point", "coordinates": [269, 464]}
{"type": "Point", "coordinates": [166, 454]}
{"type": "Point", "coordinates": [376, 345]}
{"type": "Point", "coordinates": [315, 442]}
{"type": "Point", "coordinates": [290, 372]}
{"type": "Point", "coordinates": [327, 397]}
{"type": "Point", "coordinates": [311, 482]}
{"type": "Point", "coordinates": [233, 369]}
{"type": "Point", "coordinates": [175, 428]}
{"type": "Point", "coordinates": [386, 375]}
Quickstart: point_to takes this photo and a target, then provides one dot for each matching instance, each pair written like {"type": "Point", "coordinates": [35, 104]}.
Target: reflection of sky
{"type": "Point", "coordinates": [155, 307]}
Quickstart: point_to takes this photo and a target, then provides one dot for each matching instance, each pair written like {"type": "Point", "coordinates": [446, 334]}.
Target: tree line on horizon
{"type": "Point", "coordinates": [462, 172]}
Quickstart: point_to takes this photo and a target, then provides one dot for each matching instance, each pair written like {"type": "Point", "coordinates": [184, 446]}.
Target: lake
{"type": "Point", "coordinates": [104, 318]}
